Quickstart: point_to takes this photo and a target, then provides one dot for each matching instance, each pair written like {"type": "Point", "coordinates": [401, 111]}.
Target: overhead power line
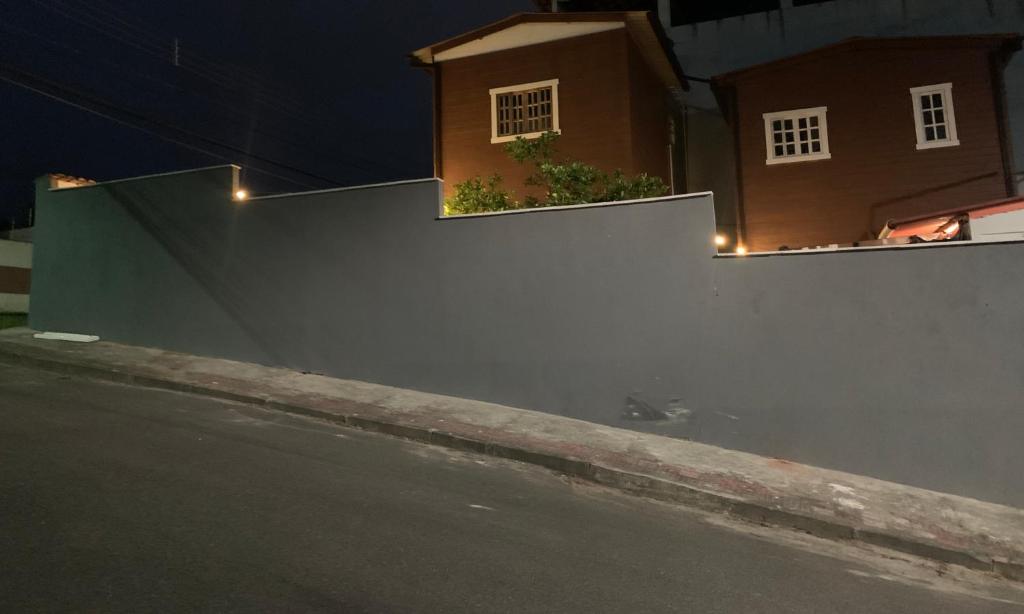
{"type": "Point", "coordinates": [224, 77]}
{"type": "Point", "coordinates": [116, 113]}
{"type": "Point", "coordinates": [231, 111]}
{"type": "Point", "coordinates": [94, 17]}
{"type": "Point", "coordinates": [163, 53]}
{"type": "Point", "coordinates": [102, 8]}
{"type": "Point", "coordinates": [106, 21]}
{"type": "Point", "coordinates": [225, 70]}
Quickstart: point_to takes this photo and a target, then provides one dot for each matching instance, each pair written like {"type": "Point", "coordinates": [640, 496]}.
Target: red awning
{"type": "Point", "coordinates": [945, 224]}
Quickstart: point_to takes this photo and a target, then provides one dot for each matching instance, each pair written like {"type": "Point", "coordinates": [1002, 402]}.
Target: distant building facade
{"type": "Point", "coordinates": [833, 143]}
{"type": "Point", "coordinates": [716, 38]}
{"type": "Point", "coordinates": [793, 27]}
{"type": "Point", "coordinates": [15, 276]}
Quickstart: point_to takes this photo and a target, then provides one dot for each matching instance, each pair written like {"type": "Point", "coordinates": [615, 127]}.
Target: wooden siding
{"type": "Point", "coordinates": [595, 96]}
{"type": "Point", "coordinates": [649, 113]}
{"type": "Point", "coordinates": [876, 172]}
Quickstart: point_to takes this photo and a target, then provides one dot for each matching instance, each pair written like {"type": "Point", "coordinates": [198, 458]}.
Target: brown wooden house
{"type": "Point", "coordinates": [607, 82]}
{"type": "Point", "coordinates": [832, 143]}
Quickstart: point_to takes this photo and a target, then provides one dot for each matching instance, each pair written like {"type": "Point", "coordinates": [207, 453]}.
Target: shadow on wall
{"type": "Point", "coordinates": [870, 362]}
{"type": "Point", "coordinates": [200, 241]}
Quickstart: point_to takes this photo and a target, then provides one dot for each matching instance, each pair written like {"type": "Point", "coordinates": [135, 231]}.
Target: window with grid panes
{"type": "Point", "coordinates": [933, 116]}
{"type": "Point", "coordinates": [527, 110]}
{"type": "Point", "coordinates": [795, 136]}
{"type": "Point", "coordinates": [524, 112]}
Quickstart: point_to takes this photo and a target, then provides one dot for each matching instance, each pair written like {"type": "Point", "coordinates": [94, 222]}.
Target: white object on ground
{"type": "Point", "coordinates": [66, 337]}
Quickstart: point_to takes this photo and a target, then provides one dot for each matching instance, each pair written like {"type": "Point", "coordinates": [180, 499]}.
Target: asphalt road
{"type": "Point", "coordinates": [118, 499]}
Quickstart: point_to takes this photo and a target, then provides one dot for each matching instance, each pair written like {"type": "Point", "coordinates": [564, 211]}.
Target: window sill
{"type": "Point", "coordinates": [938, 144]}
{"type": "Point", "coordinates": [791, 160]}
{"type": "Point", "coordinates": [527, 135]}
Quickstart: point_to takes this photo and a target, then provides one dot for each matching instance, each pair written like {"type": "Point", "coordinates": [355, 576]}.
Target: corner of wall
{"type": "Point", "coordinates": [43, 185]}
{"type": "Point", "coordinates": [439, 184]}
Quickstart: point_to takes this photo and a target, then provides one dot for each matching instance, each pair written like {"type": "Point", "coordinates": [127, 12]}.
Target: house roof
{"type": "Point", "coordinates": [60, 180]}
{"type": "Point", "coordinates": [1005, 42]}
{"type": "Point", "coordinates": [524, 29]}
{"type": "Point", "coordinates": [597, 5]}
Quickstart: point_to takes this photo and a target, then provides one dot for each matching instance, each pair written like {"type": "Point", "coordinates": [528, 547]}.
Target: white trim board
{"type": "Point", "coordinates": [15, 254]}
{"type": "Point", "coordinates": [494, 91]}
{"type": "Point", "coordinates": [346, 189]}
{"type": "Point", "coordinates": [524, 35]}
{"type": "Point", "coordinates": [140, 177]}
{"type": "Point", "coordinates": [13, 303]}
{"type": "Point", "coordinates": [949, 115]}
{"type": "Point", "coordinates": [795, 115]}
{"type": "Point", "coordinates": [56, 336]}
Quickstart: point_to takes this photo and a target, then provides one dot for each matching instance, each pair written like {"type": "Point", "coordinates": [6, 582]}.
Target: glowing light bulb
{"type": "Point", "coordinates": [241, 195]}
{"type": "Point", "coordinates": [720, 240]}
{"type": "Point", "coordinates": [741, 250]}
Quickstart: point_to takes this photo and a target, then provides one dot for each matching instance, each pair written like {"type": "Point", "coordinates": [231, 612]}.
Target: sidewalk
{"type": "Point", "coordinates": [826, 503]}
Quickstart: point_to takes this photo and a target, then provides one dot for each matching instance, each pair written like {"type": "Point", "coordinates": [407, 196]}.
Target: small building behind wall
{"type": "Point", "coordinates": [833, 143]}
{"type": "Point", "coordinates": [16, 260]}
{"type": "Point", "coordinates": [15, 280]}
{"type": "Point", "coordinates": [607, 82]}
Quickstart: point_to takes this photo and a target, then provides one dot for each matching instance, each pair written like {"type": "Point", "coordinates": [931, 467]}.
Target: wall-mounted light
{"type": "Point", "coordinates": [741, 250]}
{"type": "Point", "coordinates": [241, 195]}
{"type": "Point", "coordinates": [721, 240]}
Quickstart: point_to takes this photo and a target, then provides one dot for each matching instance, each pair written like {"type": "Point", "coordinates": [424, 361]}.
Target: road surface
{"type": "Point", "coordinates": [123, 499]}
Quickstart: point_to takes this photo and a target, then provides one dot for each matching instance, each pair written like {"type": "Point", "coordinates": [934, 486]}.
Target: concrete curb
{"type": "Point", "coordinates": [357, 414]}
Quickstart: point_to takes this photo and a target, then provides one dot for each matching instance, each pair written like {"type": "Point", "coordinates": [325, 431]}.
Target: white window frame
{"type": "Point", "coordinates": [552, 83]}
{"type": "Point", "coordinates": [795, 114]}
{"type": "Point", "coordinates": [946, 90]}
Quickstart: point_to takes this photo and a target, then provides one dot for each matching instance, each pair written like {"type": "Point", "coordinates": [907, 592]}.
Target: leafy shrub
{"type": "Point", "coordinates": [564, 182]}
{"type": "Point", "coordinates": [474, 196]}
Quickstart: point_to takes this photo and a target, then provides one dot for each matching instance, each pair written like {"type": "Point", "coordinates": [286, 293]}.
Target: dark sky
{"type": "Point", "coordinates": [318, 85]}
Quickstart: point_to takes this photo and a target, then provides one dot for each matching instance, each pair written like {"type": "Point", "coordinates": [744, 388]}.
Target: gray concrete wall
{"type": "Point", "coordinates": [901, 364]}
{"type": "Point", "coordinates": [906, 364]}
{"type": "Point", "coordinates": [715, 47]}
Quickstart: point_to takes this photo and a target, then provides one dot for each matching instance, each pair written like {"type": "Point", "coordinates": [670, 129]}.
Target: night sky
{"type": "Point", "coordinates": [318, 86]}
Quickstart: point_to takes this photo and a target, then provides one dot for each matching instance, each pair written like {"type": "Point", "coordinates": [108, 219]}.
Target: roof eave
{"type": "Point", "coordinates": [668, 46]}
{"type": "Point", "coordinates": [516, 19]}
{"type": "Point", "coordinates": [426, 55]}
{"type": "Point", "coordinates": [1009, 42]}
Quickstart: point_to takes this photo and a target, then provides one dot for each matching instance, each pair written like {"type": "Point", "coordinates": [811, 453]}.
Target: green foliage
{"type": "Point", "coordinates": [10, 320]}
{"type": "Point", "coordinates": [540, 149]}
{"type": "Point", "coordinates": [476, 196]}
{"type": "Point", "coordinates": [619, 187]}
{"type": "Point", "coordinates": [564, 182]}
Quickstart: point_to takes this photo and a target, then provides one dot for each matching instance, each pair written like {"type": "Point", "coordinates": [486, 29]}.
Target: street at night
{"type": "Point", "coordinates": [119, 498]}
{"type": "Point", "coordinates": [512, 306]}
